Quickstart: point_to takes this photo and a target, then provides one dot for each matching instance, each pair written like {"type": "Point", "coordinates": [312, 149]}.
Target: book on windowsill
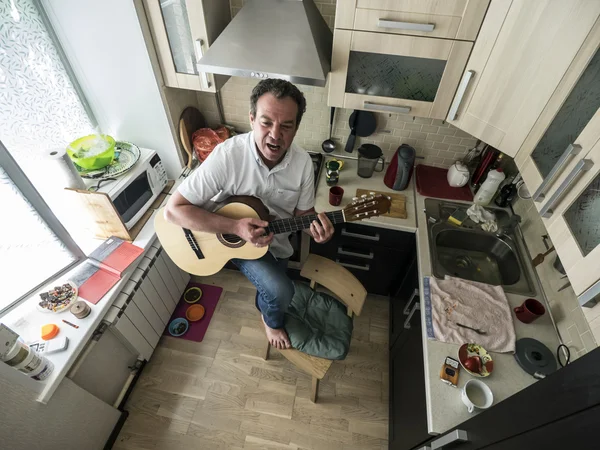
{"type": "Point", "coordinates": [104, 267]}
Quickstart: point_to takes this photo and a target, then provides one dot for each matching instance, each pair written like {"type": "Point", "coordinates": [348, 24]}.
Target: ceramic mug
{"type": "Point", "coordinates": [530, 310]}
{"type": "Point", "coordinates": [476, 394]}
{"type": "Point", "coordinates": [335, 196]}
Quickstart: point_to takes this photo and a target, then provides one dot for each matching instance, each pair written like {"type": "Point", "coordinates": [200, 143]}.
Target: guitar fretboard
{"type": "Point", "coordinates": [301, 222]}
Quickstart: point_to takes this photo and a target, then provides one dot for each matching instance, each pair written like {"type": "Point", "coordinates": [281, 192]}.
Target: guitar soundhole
{"type": "Point", "coordinates": [230, 240]}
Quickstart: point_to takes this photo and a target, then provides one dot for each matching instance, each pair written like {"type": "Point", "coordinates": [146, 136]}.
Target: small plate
{"type": "Point", "coordinates": [126, 155]}
{"type": "Point", "coordinates": [468, 350]}
{"type": "Point", "coordinates": [72, 300]}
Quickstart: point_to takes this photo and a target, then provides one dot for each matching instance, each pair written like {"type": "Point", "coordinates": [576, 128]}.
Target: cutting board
{"type": "Point", "coordinates": [398, 209]}
{"type": "Point", "coordinates": [433, 182]}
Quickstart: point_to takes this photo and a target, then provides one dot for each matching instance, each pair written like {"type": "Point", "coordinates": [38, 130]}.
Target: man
{"type": "Point", "coordinates": [265, 164]}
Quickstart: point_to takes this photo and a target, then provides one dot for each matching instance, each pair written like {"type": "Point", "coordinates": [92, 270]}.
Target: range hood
{"type": "Point", "coordinates": [286, 39]}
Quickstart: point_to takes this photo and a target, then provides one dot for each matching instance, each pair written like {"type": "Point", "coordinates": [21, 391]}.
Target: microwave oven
{"type": "Point", "coordinates": [133, 192]}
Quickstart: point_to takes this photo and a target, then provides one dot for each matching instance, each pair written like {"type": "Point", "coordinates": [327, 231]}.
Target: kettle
{"type": "Point", "coordinates": [458, 175]}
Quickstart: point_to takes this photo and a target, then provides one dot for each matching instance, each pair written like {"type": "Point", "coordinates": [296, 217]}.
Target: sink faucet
{"type": "Point", "coordinates": [510, 226]}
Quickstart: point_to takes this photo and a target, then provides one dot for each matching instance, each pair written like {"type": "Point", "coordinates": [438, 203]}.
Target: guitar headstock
{"type": "Point", "coordinates": [367, 206]}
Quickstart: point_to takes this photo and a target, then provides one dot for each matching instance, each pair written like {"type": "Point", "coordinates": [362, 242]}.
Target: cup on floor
{"type": "Point", "coordinates": [476, 394]}
{"type": "Point", "coordinates": [530, 310]}
{"type": "Point", "coordinates": [335, 195]}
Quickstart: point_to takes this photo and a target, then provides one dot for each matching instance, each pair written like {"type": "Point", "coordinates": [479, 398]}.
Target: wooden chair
{"type": "Point", "coordinates": [347, 289]}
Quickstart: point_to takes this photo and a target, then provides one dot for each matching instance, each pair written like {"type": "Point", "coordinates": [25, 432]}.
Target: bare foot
{"type": "Point", "coordinates": [277, 337]}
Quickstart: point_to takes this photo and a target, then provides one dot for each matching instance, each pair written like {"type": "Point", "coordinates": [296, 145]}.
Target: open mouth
{"type": "Point", "coordinates": [274, 148]}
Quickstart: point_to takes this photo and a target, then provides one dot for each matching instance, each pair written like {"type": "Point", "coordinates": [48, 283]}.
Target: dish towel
{"type": "Point", "coordinates": [476, 305]}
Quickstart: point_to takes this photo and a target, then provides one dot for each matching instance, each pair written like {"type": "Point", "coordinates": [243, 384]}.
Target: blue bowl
{"type": "Point", "coordinates": [177, 325]}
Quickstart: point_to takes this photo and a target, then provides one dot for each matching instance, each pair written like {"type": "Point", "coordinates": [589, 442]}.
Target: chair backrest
{"type": "Point", "coordinates": [191, 120]}
{"type": "Point", "coordinates": [337, 279]}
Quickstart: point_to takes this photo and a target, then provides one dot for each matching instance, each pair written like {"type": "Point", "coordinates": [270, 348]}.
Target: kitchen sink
{"type": "Point", "coordinates": [470, 253]}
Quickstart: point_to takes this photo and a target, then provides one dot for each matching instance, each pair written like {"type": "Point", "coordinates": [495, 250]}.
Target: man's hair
{"type": "Point", "coordinates": [279, 89]}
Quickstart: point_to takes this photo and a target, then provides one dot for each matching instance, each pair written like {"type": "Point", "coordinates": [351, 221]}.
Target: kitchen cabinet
{"type": "Point", "coordinates": [559, 163]}
{"type": "Point", "coordinates": [183, 30]}
{"type": "Point", "coordinates": [395, 73]}
{"type": "Point", "coordinates": [452, 19]}
{"type": "Point", "coordinates": [408, 411]}
{"type": "Point", "coordinates": [569, 397]}
{"type": "Point", "coordinates": [376, 256]}
{"type": "Point", "coordinates": [523, 51]}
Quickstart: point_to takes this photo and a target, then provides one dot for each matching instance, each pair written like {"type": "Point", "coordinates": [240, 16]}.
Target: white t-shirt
{"type": "Point", "coordinates": [236, 168]}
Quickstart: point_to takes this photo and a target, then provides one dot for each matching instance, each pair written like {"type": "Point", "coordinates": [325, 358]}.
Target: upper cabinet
{"type": "Point", "coordinates": [560, 163]}
{"type": "Point", "coordinates": [390, 55]}
{"type": "Point", "coordinates": [183, 30]}
{"type": "Point", "coordinates": [523, 51]}
{"type": "Point", "coordinates": [451, 19]}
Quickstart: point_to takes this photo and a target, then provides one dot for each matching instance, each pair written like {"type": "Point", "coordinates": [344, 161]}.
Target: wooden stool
{"type": "Point", "coordinates": [347, 289]}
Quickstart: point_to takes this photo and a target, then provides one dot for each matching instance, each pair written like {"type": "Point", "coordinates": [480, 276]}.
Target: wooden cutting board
{"type": "Point", "coordinates": [398, 209]}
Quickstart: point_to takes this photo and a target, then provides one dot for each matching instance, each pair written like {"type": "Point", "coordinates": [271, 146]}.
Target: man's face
{"type": "Point", "coordinates": [274, 126]}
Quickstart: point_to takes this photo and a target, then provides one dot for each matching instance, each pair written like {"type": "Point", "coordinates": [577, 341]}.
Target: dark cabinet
{"type": "Point", "coordinates": [408, 414]}
{"type": "Point", "coordinates": [378, 257]}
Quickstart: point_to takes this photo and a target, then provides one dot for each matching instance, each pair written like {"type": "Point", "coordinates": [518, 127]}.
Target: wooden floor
{"type": "Point", "coordinates": [219, 394]}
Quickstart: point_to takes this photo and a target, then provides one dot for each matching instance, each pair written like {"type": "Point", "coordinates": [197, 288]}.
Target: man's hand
{"type": "Point", "coordinates": [253, 231]}
{"type": "Point", "coordinates": [321, 232]}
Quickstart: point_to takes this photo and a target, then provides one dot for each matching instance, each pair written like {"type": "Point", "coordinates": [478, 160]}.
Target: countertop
{"type": "Point", "coordinates": [445, 409]}
{"type": "Point", "coordinates": [350, 182]}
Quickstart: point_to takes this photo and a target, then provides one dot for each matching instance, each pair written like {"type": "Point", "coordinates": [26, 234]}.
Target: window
{"type": "Point", "coordinates": [33, 245]}
{"type": "Point", "coordinates": [41, 108]}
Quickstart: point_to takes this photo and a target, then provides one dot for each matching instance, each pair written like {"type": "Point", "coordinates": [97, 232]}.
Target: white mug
{"type": "Point", "coordinates": [476, 394]}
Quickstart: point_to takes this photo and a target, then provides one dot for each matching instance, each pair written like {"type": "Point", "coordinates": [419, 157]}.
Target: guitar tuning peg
{"type": "Point", "coordinates": [354, 199]}
{"type": "Point", "coordinates": [363, 196]}
{"type": "Point", "coordinates": [389, 198]}
{"type": "Point", "coordinates": [371, 193]}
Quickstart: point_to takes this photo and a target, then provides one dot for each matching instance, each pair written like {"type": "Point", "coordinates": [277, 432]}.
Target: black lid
{"type": "Point", "coordinates": [369, 151]}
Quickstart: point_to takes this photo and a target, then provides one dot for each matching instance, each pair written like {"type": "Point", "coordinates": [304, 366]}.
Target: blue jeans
{"type": "Point", "coordinates": [274, 289]}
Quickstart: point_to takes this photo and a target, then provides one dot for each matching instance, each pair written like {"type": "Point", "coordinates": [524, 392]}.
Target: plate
{"type": "Point", "coordinates": [64, 307]}
{"type": "Point", "coordinates": [468, 350]}
{"type": "Point", "coordinates": [126, 155]}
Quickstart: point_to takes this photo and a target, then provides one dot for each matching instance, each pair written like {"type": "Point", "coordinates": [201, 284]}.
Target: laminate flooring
{"type": "Point", "coordinates": [220, 394]}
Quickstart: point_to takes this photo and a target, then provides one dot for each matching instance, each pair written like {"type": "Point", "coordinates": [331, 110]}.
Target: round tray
{"type": "Point", "coordinates": [62, 308]}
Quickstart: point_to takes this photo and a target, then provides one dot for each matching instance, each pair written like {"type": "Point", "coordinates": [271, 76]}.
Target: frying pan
{"type": "Point", "coordinates": [363, 124]}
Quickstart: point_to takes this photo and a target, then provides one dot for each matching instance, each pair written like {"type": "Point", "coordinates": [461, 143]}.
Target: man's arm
{"type": "Point", "coordinates": [320, 232]}
{"type": "Point", "coordinates": [183, 213]}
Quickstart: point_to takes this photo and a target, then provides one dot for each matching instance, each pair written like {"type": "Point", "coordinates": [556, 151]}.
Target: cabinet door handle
{"type": "Point", "coordinates": [540, 193]}
{"type": "Point", "coordinates": [460, 92]}
{"type": "Point", "coordinates": [453, 436]}
{"type": "Point", "coordinates": [341, 251]}
{"type": "Point", "coordinates": [365, 267]}
{"type": "Point", "coordinates": [426, 27]}
{"type": "Point", "coordinates": [360, 236]}
{"type": "Point", "coordinates": [582, 166]}
{"type": "Point", "coordinates": [414, 295]}
{"type": "Point", "coordinates": [416, 307]}
{"type": "Point", "coordinates": [198, 43]}
{"type": "Point", "coordinates": [386, 108]}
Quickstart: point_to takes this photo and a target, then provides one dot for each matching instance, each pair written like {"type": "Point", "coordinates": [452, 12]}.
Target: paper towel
{"type": "Point", "coordinates": [60, 170]}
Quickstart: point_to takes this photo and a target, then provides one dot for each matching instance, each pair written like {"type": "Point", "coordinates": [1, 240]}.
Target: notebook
{"type": "Point", "coordinates": [104, 267]}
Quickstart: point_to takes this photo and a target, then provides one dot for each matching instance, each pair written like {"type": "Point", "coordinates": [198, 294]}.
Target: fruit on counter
{"type": "Point", "coordinates": [473, 363]}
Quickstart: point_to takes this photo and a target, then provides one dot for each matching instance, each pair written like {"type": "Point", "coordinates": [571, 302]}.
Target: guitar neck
{"type": "Point", "coordinates": [302, 222]}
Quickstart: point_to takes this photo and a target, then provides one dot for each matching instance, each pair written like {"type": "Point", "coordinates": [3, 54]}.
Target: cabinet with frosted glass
{"type": "Point", "coordinates": [560, 163]}
{"type": "Point", "coordinates": [395, 73]}
{"type": "Point", "coordinates": [182, 31]}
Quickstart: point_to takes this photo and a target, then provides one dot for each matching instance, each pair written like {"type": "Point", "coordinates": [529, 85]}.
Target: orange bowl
{"type": "Point", "coordinates": [194, 313]}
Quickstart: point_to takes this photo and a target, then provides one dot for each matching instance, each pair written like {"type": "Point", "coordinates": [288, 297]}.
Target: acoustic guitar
{"type": "Point", "coordinates": [200, 253]}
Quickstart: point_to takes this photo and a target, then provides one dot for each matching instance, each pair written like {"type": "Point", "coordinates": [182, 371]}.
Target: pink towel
{"type": "Point", "coordinates": [476, 305]}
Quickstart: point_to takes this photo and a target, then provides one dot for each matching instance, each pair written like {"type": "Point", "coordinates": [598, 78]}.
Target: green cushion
{"type": "Point", "coordinates": [318, 324]}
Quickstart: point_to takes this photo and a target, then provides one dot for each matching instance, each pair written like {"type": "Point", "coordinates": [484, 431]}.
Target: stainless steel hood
{"type": "Point", "coordinates": [286, 39]}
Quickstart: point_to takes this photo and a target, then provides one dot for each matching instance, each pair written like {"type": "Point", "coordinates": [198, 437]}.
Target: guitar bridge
{"type": "Point", "coordinates": [193, 244]}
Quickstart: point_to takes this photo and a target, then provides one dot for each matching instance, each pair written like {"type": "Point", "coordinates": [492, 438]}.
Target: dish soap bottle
{"type": "Point", "coordinates": [488, 189]}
